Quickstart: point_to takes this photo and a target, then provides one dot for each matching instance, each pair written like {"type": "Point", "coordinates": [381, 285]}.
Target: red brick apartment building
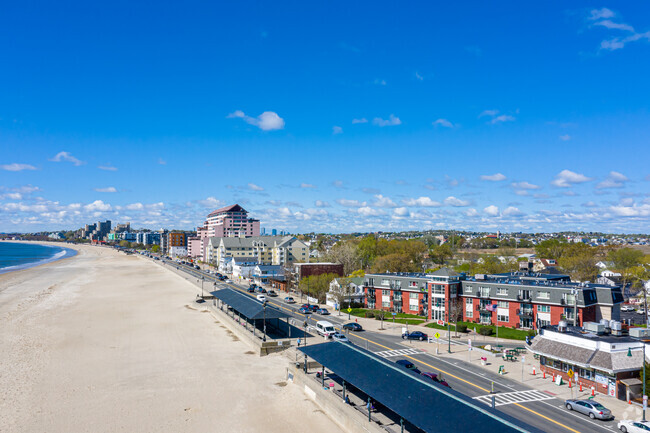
{"type": "Point", "coordinates": [522, 299]}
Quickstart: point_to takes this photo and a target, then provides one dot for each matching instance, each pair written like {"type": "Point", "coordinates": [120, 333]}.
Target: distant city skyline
{"type": "Point", "coordinates": [363, 117]}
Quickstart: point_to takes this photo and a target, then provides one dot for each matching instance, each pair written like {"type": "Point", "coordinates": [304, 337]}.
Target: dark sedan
{"type": "Point", "coordinates": [304, 310]}
{"type": "Point", "coordinates": [408, 365]}
{"type": "Point", "coordinates": [353, 327]}
{"type": "Point", "coordinates": [415, 335]}
{"type": "Point", "coordinates": [434, 377]}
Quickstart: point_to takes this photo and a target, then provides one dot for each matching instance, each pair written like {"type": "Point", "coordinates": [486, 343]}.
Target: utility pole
{"type": "Point", "coordinates": [448, 325]}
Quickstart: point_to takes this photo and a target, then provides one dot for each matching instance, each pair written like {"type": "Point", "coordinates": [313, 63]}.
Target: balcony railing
{"type": "Point", "coordinates": [524, 312]}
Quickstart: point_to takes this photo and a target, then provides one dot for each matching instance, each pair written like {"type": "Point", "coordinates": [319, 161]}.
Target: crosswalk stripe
{"type": "Point", "coordinates": [514, 397]}
{"type": "Point", "coordinates": [398, 352]}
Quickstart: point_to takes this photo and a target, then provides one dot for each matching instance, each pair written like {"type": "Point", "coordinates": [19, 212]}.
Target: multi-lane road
{"type": "Point", "coordinates": [537, 408]}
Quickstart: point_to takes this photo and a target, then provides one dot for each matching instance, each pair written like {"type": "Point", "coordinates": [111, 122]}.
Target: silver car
{"type": "Point", "coordinates": [589, 407]}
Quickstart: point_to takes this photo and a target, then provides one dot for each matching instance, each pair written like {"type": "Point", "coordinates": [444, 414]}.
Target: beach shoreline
{"type": "Point", "coordinates": [105, 342]}
{"type": "Point", "coordinates": [45, 262]}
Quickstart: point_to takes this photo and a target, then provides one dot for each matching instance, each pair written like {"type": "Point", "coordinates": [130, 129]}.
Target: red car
{"type": "Point", "coordinates": [434, 377]}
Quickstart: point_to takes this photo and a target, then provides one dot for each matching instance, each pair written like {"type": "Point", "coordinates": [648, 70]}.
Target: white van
{"type": "Point", "coordinates": [325, 328]}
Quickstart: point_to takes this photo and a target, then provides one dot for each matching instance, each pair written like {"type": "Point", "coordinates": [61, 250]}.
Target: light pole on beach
{"type": "Point", "coordinates": [264, 320]}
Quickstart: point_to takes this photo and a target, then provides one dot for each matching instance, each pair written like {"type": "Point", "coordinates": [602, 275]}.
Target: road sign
{"type": "Point", "coordinates": [394, 314]}
{"type": "Point", "coordinates": [349, 310]}
{"type": "Point", "coordinates": [645, 402]}
{"type": "Point", "coordinates": [437, 335]}
{"type": "Point", "coordinates": [441, 322]}
{"type": "Point", "coordinates": [570, 373]}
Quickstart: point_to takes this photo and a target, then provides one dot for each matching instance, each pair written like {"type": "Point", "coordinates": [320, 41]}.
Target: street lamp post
{"type": "Point", "coordinates": [202, 279]}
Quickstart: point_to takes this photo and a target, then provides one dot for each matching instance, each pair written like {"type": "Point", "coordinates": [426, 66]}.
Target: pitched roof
{"type": "Point", "coordinates": [231, 208]}
{"type": "Point", "coordinates": [444, 272]}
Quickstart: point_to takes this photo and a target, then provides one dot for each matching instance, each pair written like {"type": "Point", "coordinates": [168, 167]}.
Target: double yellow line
{"type": "Point", "coordinates": [447, 374]}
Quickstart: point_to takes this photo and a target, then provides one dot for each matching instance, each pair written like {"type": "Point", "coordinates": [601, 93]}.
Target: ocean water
{"type": "Point", "coordinates": [16, 256]}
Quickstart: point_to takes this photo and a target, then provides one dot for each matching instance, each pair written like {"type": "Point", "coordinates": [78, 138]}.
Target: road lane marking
{"type": "Point", "coordinates": [513, 397]}
{"type": "Point", "coordinates": [398, 352]}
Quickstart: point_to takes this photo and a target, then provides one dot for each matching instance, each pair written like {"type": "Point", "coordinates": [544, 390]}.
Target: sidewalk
{"type": "Point", "coordinates": [513, 372]}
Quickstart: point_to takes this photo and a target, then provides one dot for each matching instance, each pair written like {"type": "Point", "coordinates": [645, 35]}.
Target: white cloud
{"type": "Point", "coordinates": [65, 156]}
{"type": "Point", "coordinates": [617, 26]}
{"type": "Point", "coordinates": [493, 177]}
{"type": "Point", "coordinates": [512, 211]}
{"type": "Point", "coordinates": [443, 122]}
{"type": "Point", "coordinates": [391, 121]}
{"type": "Point", "coordinates": [320, 203]}
{"type": "Point", "coordinates": [350, 203]}
{"type": "Point", "coordinates": [337, 130]}
{"type": "Point", "coordinates": [135, 206]}
{"type": "Point", "coordinates": [596, 14]}
{"type": "Point", "coordinates": [307, 185]}
{"type": "Point", "coordinates": [369, 211]}
{"type": "Point", "coordinates": [617, 42]}
{"type": "Point", "coordinates": [267, 121]}
{"type": "Point", "coordinates": [107, 189]}
{"type": "Point", "coordinates": [490, 113]}
{"type": "Point", "coordinates": [338, 183]}
{"type": "Point", "coordinates": [382, 201]}
{"type": "Point", "coordinates": [566, 178]}
{"type": "Point", "coordinates": [107, 168]}
{"type": "Point", "coordinates": [491, 210]}
{"type": "Point", "coordinates": [380, 82]}
{"type": "Point", "coordinates": [12, 196]}
{"type": "Point", "coordinates": [456, 202]}
{"type": "Point", "coordinates": [495, 117]}
{"type": "Point", "coordinates": [524, 185]}
{"type": "Point", "coordinates": [502, 118]}
{"type": "Point", "coordinates": [162, 161]}
{"type": "Point", "coordinates": [211, 202]}
{"type": "Point", "coordinates": [418, 76]}
{"type": "Point", "coordinates": [401, 211]}
{"type": "Point", "coordinates": [565, 137]}
{"type": "Point", "coordinates": [254, 187]}
{"type": "Point", "coordinates": [17, 167]}
{"type": "Point", "coordinates": [98, 205]}
{"type": "Point", "coordinates": [26, 189]}
{"type": "Point", "coordinates": [362, 120]}
{"type": "Point", "coordinates": [613, 180]}
{"type": "Point", "coordinates": [421, 201]}
{"type": "Point", "coordinates": [471, 212]}
{"type": "Point", "coordinates": [631, 211]}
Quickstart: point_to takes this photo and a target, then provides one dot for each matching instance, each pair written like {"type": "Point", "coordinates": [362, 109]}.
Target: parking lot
{"type": "Point", "coordinates": [634, 317]}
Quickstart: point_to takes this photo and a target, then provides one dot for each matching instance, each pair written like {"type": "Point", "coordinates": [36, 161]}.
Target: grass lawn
{"type": "Point", "coordinates": [505, 333]}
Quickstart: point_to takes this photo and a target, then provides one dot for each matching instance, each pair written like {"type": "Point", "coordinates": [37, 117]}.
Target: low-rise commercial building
{"type": "Point", "coordinates": [608, 363]}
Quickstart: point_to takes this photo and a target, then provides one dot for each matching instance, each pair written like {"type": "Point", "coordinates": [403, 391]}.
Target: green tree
{"type": "Point", "coordinates": [441, 253]}
{"type": "Point", "coordinates": [550, 249]}
{"type": "Point", "coordinates": [125, 244]}
{"type": "Point", "coordinates": [625, 261]}
{"type": "Point", "coordinates": [579, 261]}
{"type": "Point", "coordinates": [396, 262]}
{"type": "Point", "coordinates": [367, 251]}
{"type": "Point", "coordinates": [155, 249]}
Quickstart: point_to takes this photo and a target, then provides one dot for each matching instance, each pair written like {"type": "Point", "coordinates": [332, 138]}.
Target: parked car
{"type": "Point", "coordinates": [640, 311]}
{"type": "Point", "coordinates": [322, 311]}
{"type": "Point", "coordinates": [434, 377]}
{"type": "Point", "coordinates": [304, 310]}
{"type": "Point", "coordinates": [271, 293]}
{"type": "Point", "coordinates": [627, 308]}
{"type": "Point", "coordinates": [340, 337]}
{"type": "Point", "coordinates": [251, 290]}
{"type": "Point", "coordinates": [289, 300]}
{"type": "Point", "coordinates": [261, 298]}
{"type": "Point", "coordinates": [313, 308]}
{"type": "Point", "coordinates": [591, 408]}
{"type": "Point", "coordinates": [261, 289]}
{"type": "Point", "coordinates": [408, 365]}
{"type": "Point", "coordinates": [634, 426]}
{"type": "Point", "coordinates": [353, 326]}
{"type": "Point", "coordinates": [415, 335]}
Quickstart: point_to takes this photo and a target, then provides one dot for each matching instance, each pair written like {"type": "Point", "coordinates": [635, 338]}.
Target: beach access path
{"type": "Point", "coordinates": [105, 342]}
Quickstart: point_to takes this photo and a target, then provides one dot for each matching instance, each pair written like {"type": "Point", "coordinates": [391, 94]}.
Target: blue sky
{"type": "Point", "coordinates": [335, 117]}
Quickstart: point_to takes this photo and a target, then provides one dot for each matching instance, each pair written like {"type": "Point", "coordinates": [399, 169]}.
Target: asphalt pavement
{"type": "Point", "coordinates": [537, 408]}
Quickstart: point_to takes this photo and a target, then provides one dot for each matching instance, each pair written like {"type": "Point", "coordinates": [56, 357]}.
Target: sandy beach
{"type": "Point", "coordinates": [104, 342]}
